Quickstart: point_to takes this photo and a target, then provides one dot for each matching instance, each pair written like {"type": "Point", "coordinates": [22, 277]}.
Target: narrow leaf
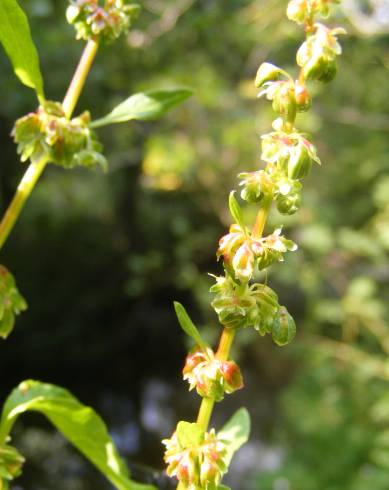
{"type": "Point", "coordinates": [187, 325]}
{"type": "Point", "coordinates": [235, 432]}
{"type": "Point", "coordinates": [15, 36]}
{"type": "Point", "coordinates": [77, 422]}
{"type": "Point", "coordinates": [144, 106]}
{"type": "Point", "coordinates": [236, 210]}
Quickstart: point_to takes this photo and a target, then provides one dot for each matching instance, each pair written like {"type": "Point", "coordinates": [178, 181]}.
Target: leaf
{"type": "Point", "coordinates": [78, 423]}
{"type": "Point", "coordinates": [189, 434]}
{"type": "Point", "coordinates": [15, 35]}
{"type": "Point", "coordinates": [187, 325]}
{"type": "Point", "coordinates": [236, 210]}
{"type": "Point", "coordinates": [144, 106]}
{"type": "Point", "coordinates": [235, 432]}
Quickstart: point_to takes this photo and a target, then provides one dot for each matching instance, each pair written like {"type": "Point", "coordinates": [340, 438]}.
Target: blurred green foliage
{"type": "Point", "coordinates": [96, 254]}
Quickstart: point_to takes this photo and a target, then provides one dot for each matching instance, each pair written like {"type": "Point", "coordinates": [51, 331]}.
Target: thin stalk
{"type": "Point", "coordinates": [261, 219]}
{"type": "Point", "coordinates": [79, 78]}
{"type": "Point", "coordinates": [35, 169]}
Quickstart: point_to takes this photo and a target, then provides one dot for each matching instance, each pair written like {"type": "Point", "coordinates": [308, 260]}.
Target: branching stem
{"type": "Point", "coordinates": [35, 169]}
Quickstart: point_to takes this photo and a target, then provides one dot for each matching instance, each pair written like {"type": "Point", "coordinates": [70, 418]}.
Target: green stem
{"type": "Point", "coordinates": [24, 189]}
{"type": "Point", "coordinates": [261, 218]}
{"type": "Point", "coordinates": [35, 169]}
{"type": "Point", "coordinates": [222, 354]}
{"type": "Point", "coordinates": [79, 78]}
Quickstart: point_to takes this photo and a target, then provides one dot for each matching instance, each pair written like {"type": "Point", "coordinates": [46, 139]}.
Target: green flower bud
{"type": "Point", "coordinates": [289, 204]}
{"type": "Point", "coordinates": [210, 376]}
{"type": "Point", "coordinates": [282, 95]}
{"type": "Point", "coordinates": [198, 459]}
{"type": "Point", "coordinates": [11, 302]}
{"type": "Point", "coordinates": [11, 462]}
{"type": "Point", "coordinates": [234, 303]}
{"type": "Point", "coordinates": [267, 73]}
{"type": "Point", "coordinates": [108, 22]}
{"type": "Point", "coordinates": [256, 185]}
{"type": "Point", "coordinates": [298, 11]}
{"type": "Point", "coordinates": [271, 249]}
{"type": "Point", "coordinates": [290, 152]}
{"type": "Point", "coordinates": [68, 143]}
{"type": "Point", "coordinates": [284, 327]}
{"type": "Point", "coordinates": [302, 97]}
{"type": "Point", "coordinates": [317, 55]}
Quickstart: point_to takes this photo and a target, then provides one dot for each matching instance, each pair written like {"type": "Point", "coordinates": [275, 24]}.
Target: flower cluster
{"type": "Point", "coordinates": [197, 462]}
{"type": "Point", "coordinates": [243, 252]}
{"type": "Point", "coordinates": [11, 302]}
{"type": "Point", "coordinates": [48, 133]}
{"type": "Point", "coordinates": [94, 21]}
{"type": "Point", "coordinates": [317, 55]}
{"type": "Point", "coordinates": [302, 11]}
{"type": "Point", "coordinates": [256, 305]}
{"type": "Point", "coordinates": [210, 376]}
{"type": "Point", "coordinates": [11, 462]}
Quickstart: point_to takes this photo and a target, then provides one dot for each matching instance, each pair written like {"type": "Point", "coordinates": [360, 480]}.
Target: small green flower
{"type": "Point", "coordinates": [210, 376]}
{"type": "Point", "coordinates": [106, 22]}
{"type": "Point", "coordinates": [196, 458]}
{"type": "Point", "coordinates": [236, 251]}
{"type": "Point", "coordinates": [11, 302]}
{"type": "Point", "coordinates": [48, 132]}
{"type": "Point", "coordinates": [256, 185]}
{"type": "Point", "coordinates": [317, 55]}
{"type": "Point", "coordinates": [284, 327]}
{"type": "Point", "coordinates": [291, 152]}
{"type": "Point", "coordinates": [288, 195]}
{"type": "Point", "coordinates": [271, 248]}
{"type": "Point", "coordinates": [11, 462]}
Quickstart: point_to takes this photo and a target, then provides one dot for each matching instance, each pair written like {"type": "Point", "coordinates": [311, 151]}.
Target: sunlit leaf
{"type": "Point", "coordinates": [235, 432]}
{"type": "Point", "coordinates": [16, 38]}
{"type": "Point", "coordinates": [144, 106]}
{"type": "Point", "coordinates": [78, 423]}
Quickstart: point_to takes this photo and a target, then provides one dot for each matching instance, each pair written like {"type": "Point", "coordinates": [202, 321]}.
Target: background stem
{"type": "Point", "coordinates": [35, 169]}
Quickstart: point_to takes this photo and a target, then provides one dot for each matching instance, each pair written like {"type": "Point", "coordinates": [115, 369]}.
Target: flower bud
{"type": "Point", "coordinates": [232, 376]}
{"type": "Point", "coordinates": [271, 249]}
{"type": "Point", "coordinates": [11, 462]}
{"type": "Point", "coordinates": [302, 97]}
{"type": "Point", "coordinates": [11, 302]}
{"type": "Point", "coordinates": [282, 95]}
{"type": "Point", "coordinates": [288, 204]}
{"type": "Point", "coordinates": [210, 376]}
{"type": "Point", "coordinates": [198, 464]}
{"type": "Point", "coordinates": [291, 152]}
{"type": "Point", "coordinates": [317, 55]}
{"type": "Point", "coordinates": [267, 73]}
{"type": "Point", "coordinates": [256, 185]}
{"type": "Point", "coordinates": [284, 327]}
{"type": "Point", "coordinates": [107, 23]}
{"type": "Point", "coordinates": [298, 10]}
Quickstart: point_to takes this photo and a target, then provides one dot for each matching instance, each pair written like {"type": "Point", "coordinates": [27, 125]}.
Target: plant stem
{"type": "Point", "coordinates": [261, 219]}
{"type": "Point", "coordinates": [79, 78]}
{"type": "Point", "coordinates": [24, 189]}
{"type": "Point", "coordinates": [35, 169]}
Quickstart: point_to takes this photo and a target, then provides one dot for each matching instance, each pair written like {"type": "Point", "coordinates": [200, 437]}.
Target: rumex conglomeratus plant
{"type": "Point", "coordinates": [51, 134]}
{"type": "Point", "coordinates": [196, 456]}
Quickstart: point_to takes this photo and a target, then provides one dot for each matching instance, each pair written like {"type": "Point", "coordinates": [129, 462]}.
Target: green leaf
{"type": "Point", "coordinates": [236, 210]}
{"type": "Point", "coordinates": [77, 422]}
{"type": "Point", "coordinates": [16, 38]}
{"type": "Point", "coordinates": [189, 434]}
{"type": "Point", "coordinates": [235, 432]}
{"type": "Point", "coordinates": [187, 325]}
{"type": "Point", "coordinates": [144, 106]}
